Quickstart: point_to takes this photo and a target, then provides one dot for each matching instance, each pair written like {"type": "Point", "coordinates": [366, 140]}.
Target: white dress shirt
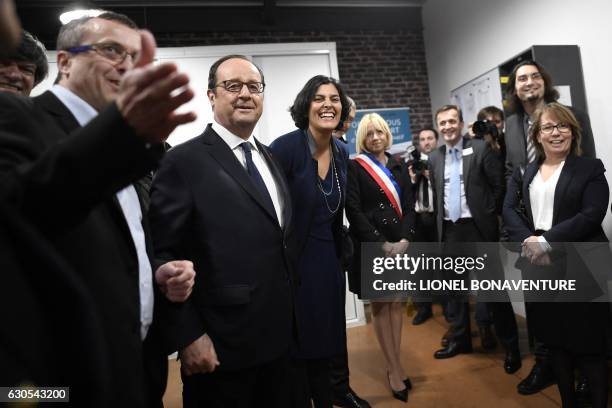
{"type": "Point", "coordinates": [465, 210]}
{"type": "Point", "coordinates": [542, 198]}
{"type": "Point", "coordinates": [130, 206]}
{"type": "Point", "coordinates": [234, 143]}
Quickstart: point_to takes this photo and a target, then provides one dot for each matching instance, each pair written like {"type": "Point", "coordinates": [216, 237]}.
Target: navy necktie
{"type": "Point", "coordinates": [256, 178]}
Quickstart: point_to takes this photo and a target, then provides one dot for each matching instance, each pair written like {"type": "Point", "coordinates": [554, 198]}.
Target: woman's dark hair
{"type": "Point", "coordinates": [301, 106]}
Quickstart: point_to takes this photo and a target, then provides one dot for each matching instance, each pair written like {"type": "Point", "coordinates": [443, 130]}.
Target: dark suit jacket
{"type": "Point", "coordinates": [369, 211]}
{"type": "Point", "coordinates": [68, 177]}
{"type": "Point", "coordinates": [50, 334]}
{"type": "Point", "coordinates": [371, 217]}
{"type": "Point", "coordinates": [205, 208]}
{"type": "Point", "coordinates": [484, 190]}
{"type": "Point", "coordinates": [293, 153]}
{"type": "Point", "coordinates": [581, 202]}
{"type": "Point", "coordinates": [516, 153]}
{"type": "Point", "coordinates": [580, 205]}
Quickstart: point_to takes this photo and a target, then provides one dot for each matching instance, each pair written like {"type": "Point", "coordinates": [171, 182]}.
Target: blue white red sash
{"type": "Point", "coordinates": [382, 176]}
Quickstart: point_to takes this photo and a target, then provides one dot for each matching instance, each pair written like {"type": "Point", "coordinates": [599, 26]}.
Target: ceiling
{"type": "Point", "coordinates": [192, 16]}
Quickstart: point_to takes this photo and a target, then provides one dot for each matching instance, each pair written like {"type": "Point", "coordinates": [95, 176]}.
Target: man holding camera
{"type": "Point", "coordinates": [425, 227]}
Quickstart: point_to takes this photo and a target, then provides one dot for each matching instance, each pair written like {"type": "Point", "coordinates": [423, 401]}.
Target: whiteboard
{"type": "Point", "coordinates": [482, 91]}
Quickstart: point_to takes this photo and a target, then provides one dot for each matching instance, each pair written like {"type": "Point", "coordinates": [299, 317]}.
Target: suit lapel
{"type": "Point", "coordinates": [66, 121]}
{"type": "Point", "coordinates": [530, 173]}
{"type": "Point", "coordinates": [565, 178]}
{"type": "Point", "coordinates": [223, 155]}
{"type": "Point", "coordinates": [55, 108]}
{"type": "Point", "coordinates": [281, 183]}
{"type": "Point", "coordinates": [467, 164]}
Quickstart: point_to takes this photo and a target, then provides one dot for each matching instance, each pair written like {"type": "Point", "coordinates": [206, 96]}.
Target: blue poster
{"type": "Point", "coordinates": [398, 120]}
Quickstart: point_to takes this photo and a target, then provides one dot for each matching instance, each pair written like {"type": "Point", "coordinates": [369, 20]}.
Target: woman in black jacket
{"type": "Point", "coordinates": [380, 208]}
{"type": "Point", "coordinates": [561, 199]}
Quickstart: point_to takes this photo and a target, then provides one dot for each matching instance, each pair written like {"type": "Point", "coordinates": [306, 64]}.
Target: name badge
{"type": "Point", "coordinates": [468, 151]}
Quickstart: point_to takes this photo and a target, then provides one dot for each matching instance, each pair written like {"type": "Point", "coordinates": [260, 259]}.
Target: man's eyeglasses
{"type": "Point", "coordinates": [561, 127]}
{"type": "Point", "coordinates": [109, 50]}
{"type": "Point", "coordinates": [236, 86]}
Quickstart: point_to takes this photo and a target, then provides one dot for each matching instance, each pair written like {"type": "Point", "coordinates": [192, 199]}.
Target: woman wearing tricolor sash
{"type": "Point", "coordinates": [380, 208]}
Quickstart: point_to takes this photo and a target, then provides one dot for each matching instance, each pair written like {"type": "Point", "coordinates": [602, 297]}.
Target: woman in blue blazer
{"type": "Point", "coordinates": [315, 165]}
{"type": "Point", "coordinates": [562, 198]}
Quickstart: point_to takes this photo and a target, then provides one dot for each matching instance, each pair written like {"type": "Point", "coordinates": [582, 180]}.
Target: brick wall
{"type": "Point", "coordinates": [381, 69]}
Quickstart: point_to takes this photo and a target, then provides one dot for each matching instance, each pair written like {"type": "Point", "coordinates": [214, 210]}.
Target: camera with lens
{"type": "Point", "coordinates": [415, 159]}
{"type": "Point", "coordinates": [485, 127]}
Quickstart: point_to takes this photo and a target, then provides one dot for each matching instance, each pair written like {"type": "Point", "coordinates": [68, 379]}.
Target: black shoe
{"type": "Point", "coordinates": [401, 395]}
{"type": "Point", "coordinates": [540, 377]}
{"type": "Point", "coordinates": [423, 314]}
{"type": "Point", "coordinates": [445, 337]}
{"type": "Point", "coordinates": [583, 393]}
{"type": "Point", "coordinates": [452, 350]}
{"type": "Point", "coordinates": [487, 338]}
{"type": "Point", "coordinates": [408, 383]}
{"type": "Point", "coordinates": [512, 362]}
{"type": "Point", "coordinates": [351, 400]}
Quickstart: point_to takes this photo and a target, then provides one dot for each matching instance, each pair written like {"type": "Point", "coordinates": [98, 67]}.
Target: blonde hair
{"type": "Point", "coordinates": [362, 130]}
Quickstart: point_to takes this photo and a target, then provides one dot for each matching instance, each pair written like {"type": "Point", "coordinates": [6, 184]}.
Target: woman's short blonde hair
{"type": "Point", "coordinates": [362, 130]}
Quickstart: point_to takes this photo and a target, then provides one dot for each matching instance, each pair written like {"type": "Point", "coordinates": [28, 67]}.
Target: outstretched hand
{"type": "Point", "coordinates": [149, 95]}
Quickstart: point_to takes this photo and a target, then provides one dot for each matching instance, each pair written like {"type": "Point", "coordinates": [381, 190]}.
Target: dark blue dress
{"type": "Point", "coordinates": [320, 296]}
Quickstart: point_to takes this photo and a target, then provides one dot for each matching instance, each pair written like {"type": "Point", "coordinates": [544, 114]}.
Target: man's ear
{"type": "Point", "coordinates": [64, 62]}
{"type": "Point", "coordinates": [211, 97]}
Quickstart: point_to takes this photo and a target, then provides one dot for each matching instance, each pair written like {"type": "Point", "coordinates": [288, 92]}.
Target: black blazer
{"type": "Point", "coordinates": [69, 176]}
{"type": "Point", "coordinates": [293, 154]}
{"type": "Point", "coordinates": [516, 153]}
{"type": "Point", "coordinates": [369, 211]}
{"type": "Point", "coordinates": [205, 208]}
{"type": "Point", "coordinates": [484, 189]}
{"type": "Point", "coordinates": [580, 205]}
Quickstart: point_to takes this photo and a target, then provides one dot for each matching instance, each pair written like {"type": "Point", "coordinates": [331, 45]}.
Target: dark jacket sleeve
{"type": "Point", "coordinates": [408, 202]}
{"type": "Point", "coordinates": [515, 220]}
{"type": "Point", "coordinates": [494, 171]}
{"type": "Point", "coordinates": [361, 226]}
{"type": "Point", "coordinates": [169, 218]}
{"type": "Point", "coordinates": [56, 185]}
{"type": "Point", "coordinates": [592, 212]}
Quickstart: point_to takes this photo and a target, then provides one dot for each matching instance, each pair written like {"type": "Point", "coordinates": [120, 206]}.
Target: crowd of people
{"type": "Point", "coordinates": [119, 252]}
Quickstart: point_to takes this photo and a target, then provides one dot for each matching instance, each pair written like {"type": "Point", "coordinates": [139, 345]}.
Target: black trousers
{"type": "Point", "coordinates": [460, 234]}
{"type": "Point", "coordinates": [263, 386]}
{"type": "Point", "coordinates": [311, 382]}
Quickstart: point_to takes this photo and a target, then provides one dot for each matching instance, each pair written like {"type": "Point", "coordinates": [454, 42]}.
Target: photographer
{"type": "Point", "coordinates": [490, 128]}
{"type": "Point", "coordinates": [416, 159]}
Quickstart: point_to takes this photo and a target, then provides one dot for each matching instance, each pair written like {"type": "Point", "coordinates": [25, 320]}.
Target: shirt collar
{"type": "Point", "coordinates": [231, 139]}
{"type": "Point", "coordinates": [81, 110]}
{"type": "Point", "coordinates": [458, 146]}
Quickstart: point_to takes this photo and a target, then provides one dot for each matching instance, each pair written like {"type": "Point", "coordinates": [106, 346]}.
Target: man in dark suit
{"type": "Point", "coordinates": [467, 180]}
{"type": "Point", "coordinates": [529, 87]}
{"type": "Point", "coordinates": [221, 201]}
{"type": "Point", "coordinates": [426, 142]}
{"type": "Point", "coordinates": [73, 159]}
